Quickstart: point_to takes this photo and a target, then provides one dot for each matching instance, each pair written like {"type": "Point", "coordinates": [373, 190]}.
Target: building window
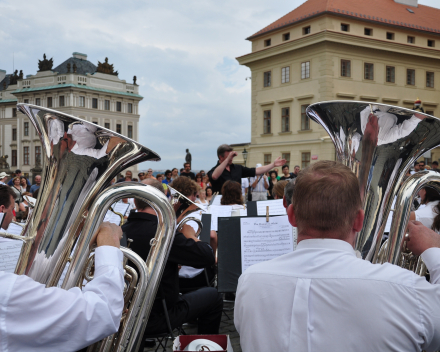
{"type": "Point", "coordinates": [95, 122]}
{"type": "Point", "coordinates": [390, 36]}
{"type": "Point", "coordinates": [267, 78]}
{"type": "Point", "coordinates": [429, 112]}
{"type": "Point", "coordinates": [287, 157]}
{"type": "Point", "coordinates": [391, 74]}
{"type": "Point", "coordinates": [38, 101]}
{"type": "Point", "coordinates": [118, 106]}
{"type": "Point", "coordinates": [14, 134]}
{"type": "Point", "coordinates": [267, 42]}
{"type": "Point", "coordinates": [14, 157]}
{"type": "Point", "coordinates": [94, 103]}
{"type": "Point", "coordinates": [305, 120]}
{"type": "Point", "coordinates": [26, 101]}
{"type": "Point", "coordinates": [305, 70]}
{"type": "Point", "coordinates": [430, 79]}
{"type": "Point", "coordinates": [368, 71]}
{"type": "Point", "coordinates": [368, 31]}
{"type": "Point", "coordinates": [345, 27]}
{"type": "Point", "coordinates": [285, 120]}
{"type": "Point", "coordinates": [130, 108]}
{"type": "Point", "coordinates": [286, 36]}
{"type": "Point", "coordinates": [38, 155]}
{"type": "Point", "coordinates": [305, 160]}
{"type": "Point", "coordinates": [61, 100]}
{"type": "Point", "coordinates": [411, 40]}
{"type": "Point", "coordinates": [107, 104]}
{"type": "Point", "coordinates": [266, 121]}
{"type": "Point", "coordinates": [267, 159]}
{"type": "Point", "coordinates": [82, 102]}
{"type": "Point", "coordinates": [130, 131]}
{"type": "Point", "coordinates": [119, 128]}
{"type": "Point", "coordinates": [285, 74]}
{"type": "Point", "coordinates": [411, 77]}
{"type": "Point", "coordinates": [306, 30]}
{"type": "Point", "coordinates": [431, 43]}
{"type": "Point", "coordinates": [49, 102]}
{"type": "Point", "coordinates": [14, 112]}
{"type": "Point", "coordinates": [26, 155]}
{"type": "Point", "coordinates": [107, 125]}
{"type": "Point", "coordinates": [345, 68]}
{"type": "Point", "coordinates": [26, 129]}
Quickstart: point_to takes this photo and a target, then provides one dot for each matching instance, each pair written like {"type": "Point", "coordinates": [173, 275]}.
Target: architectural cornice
{"type": "Point", "coordinates": [338, 38]}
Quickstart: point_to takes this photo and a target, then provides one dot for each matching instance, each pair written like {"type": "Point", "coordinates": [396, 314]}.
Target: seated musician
{"type": "Point", "coordinates": [321, 297]}
{"type": "Point", "coordinates": [204, 304]}
{"type": "Point", "coordinates": [36, 318]}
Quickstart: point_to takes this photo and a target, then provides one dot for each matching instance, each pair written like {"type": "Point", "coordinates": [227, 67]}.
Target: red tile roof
{"type": "Point", "coordinates": [388, 12]}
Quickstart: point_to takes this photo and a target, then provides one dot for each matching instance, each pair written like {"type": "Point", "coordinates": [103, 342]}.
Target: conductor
{"type": "Point", "coordinates": [36, 318]}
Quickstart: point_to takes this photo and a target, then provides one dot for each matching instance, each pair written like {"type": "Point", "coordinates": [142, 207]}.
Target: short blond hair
{"type": "Point", "coordinates": [326, 197]}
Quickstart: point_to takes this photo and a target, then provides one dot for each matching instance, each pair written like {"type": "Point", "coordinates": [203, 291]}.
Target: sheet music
{"type": "Point", "coordinates": [262, 240]}
{"type": "Point", "coordinates": [14, 229]}
{"type": "Point", "coordinates": [276, 207]}
{"type": "Point", "coordinates": [217, 199]}
{"type": "Point", "coordinates": [119, 208]}
{"type": "Point", "coordinates": [217, 211]}
{"type": "Point", "coordinates": [9, 254]}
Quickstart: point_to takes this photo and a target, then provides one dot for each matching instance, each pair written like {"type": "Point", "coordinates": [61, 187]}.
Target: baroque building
{"type": "Point", "coordinates": [385, 52]}
{"type": "Point", "coordinates": [76, 87]}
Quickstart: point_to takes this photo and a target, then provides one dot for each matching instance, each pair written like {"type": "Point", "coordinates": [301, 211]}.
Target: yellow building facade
{"type": "Point", "coordinates": [333, 56]}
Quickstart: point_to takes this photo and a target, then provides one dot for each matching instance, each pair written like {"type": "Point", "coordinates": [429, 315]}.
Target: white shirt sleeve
{"type": "Point", "coordinates": [36, 318]}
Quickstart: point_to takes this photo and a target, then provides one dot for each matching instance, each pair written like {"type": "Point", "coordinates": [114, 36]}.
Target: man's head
{"type": "Point", "coordinates": [187, 167]}
{"type": "Point", "coordinates": [37, 179]}
{"type": "Point", "coordinates": [285, 169]}
{"type": "Point", "coordinates": [7, 202]}
{"type": "Point", "coordinates": [3, 177]}
{"type": "Point", "coordinates": [140, 204]}
{"type": "Point", "coordinates": [434, 165]}
{"type": "Point", "coordinates": [296, 170]}
{"type": "Point", "coordinates": [168, 174]}
{"type": "Point", "coordinates": [422, 165]}
{"type": "Point", "coordinates": [18, 172]}
{"type": "Point", "coordinates": [186, 186]}
{"type": "Point", "coordinates": [223, 152]}
{"type": "Point", "coordinates": [416, 166]}
{"type": "Point", "coordinates": [326, 202]}
{"type": "Point", "coordinates": [141, 175]}
{"type": "Point", "coordinates": [129, 174]}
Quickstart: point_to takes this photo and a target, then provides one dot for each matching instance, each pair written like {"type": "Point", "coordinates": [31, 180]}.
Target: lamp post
{"type": "Point", "coordinates": [245, 155]}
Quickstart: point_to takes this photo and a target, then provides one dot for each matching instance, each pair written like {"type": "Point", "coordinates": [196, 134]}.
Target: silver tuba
{"type": "Point", "coordinates": [79, 161]}
{"type": "Point", "coordinates": [378, 143]}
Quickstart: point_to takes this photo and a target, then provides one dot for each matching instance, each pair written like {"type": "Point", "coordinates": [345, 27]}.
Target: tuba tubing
{"type": "Point", "coordinates": [405, 197]}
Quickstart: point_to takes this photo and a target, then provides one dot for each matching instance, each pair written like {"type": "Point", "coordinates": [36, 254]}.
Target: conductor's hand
{"type": "Point", "coordinates": [231, 155]}
{"type": "Point", "coordinates": [421, 238]}
{"type": "Point", "coordinates": [189, 232]}
{"type": "Point", "coordinates": [108, 234]}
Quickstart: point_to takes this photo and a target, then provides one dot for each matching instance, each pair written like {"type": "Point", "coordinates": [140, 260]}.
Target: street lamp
{"type": "Point", "coordinates": [245, 154]}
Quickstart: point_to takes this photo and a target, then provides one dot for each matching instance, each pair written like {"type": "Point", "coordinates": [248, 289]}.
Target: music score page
{"type": "Point", "coordinates": [9, 253]}
{"type": "Point", "coordinates": [262, 240]}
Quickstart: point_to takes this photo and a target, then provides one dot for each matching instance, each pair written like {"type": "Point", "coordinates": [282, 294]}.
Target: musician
{"type": "Point", "coordinates": [226, 170]}
{"type": "Point", "coordinates": [36, 318]}
{"type": "Point", "coordinates": [205, 304]}
{"type": "Point", "coordinates": [322, 297]}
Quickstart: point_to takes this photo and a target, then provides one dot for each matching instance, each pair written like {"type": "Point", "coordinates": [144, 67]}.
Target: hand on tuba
{"type": "Point", "coordinates": [420, 238]}
{"type": "Point", "coordinates": [108, 234]}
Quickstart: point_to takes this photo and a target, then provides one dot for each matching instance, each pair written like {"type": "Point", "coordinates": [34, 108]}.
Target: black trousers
{"type": "Point", "coordinates": [205, 305]}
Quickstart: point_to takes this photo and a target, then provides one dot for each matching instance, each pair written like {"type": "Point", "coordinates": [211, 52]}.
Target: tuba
{"type": "Point", "coordinates": [80, 159]}
{"type": "Point", "coordinates": [379, 143]}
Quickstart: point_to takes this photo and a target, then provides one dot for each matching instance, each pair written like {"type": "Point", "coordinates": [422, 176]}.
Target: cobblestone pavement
{"type": "Point", "coordinates": [226, 327]}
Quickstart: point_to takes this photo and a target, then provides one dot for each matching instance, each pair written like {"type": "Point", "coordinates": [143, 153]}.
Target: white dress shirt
{"type": "Point", "coordinates": [322, 298]}
{"type": "Point", "coordinates": [35, 318]}
{"type": "Point", "coordinates": [427, 213]}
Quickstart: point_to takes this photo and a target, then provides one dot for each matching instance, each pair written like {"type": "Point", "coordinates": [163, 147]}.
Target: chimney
{"type": "Point", "coordinates": [2, 75]}
{"type": "Point", "coordinates": [84, 56]}
{"type": "Point", "coordinates": [413, 3]}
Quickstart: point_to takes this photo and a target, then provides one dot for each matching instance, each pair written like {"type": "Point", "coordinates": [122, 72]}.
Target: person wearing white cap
{"type": "Point", "coordinates": [259, 185]}
{"type": "Point", "coordinates": [3, 178]}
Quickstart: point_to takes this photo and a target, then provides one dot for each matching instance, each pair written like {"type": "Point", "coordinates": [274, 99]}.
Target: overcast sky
{"type": "Point", "coordinates": [183, 53]}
